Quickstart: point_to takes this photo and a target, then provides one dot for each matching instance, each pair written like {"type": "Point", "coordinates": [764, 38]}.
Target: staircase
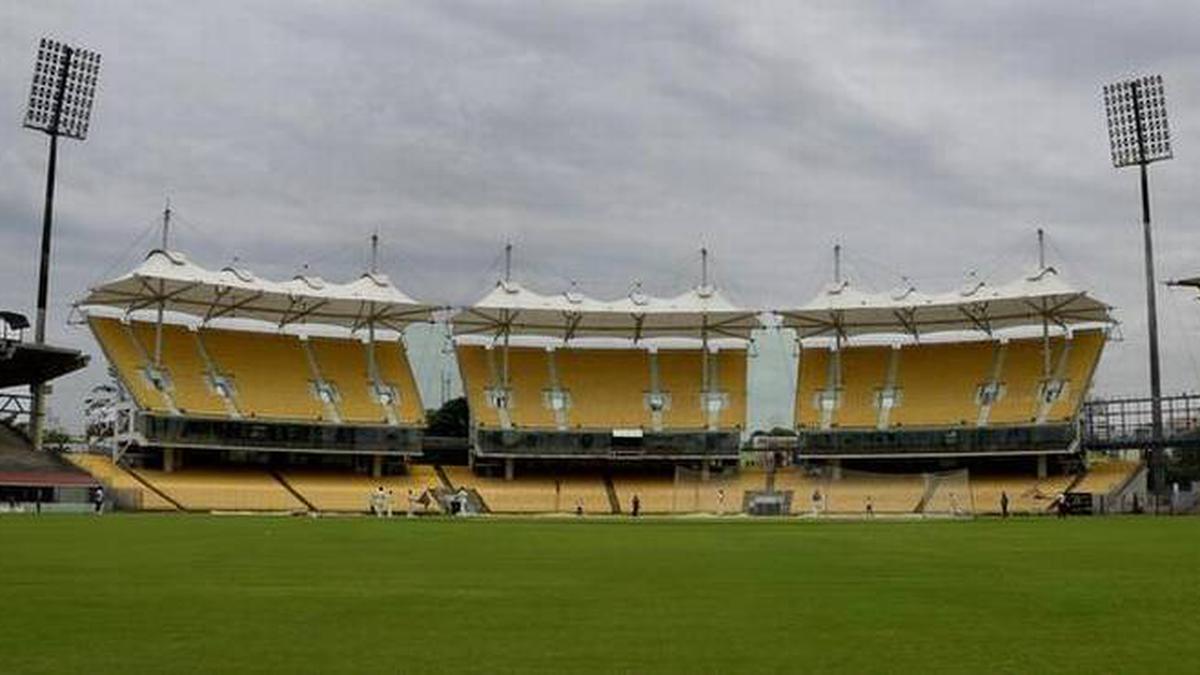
{"type": "Point", "coordinates": [151, 487]}
{"type": "Point", "coordinates": [613, 502]}
{"type": "Point", "coordinates": [441, 474]}
{"type": "Point", "coordinates": [292, 491]}
{"type": "Point", "coordinates": [931, 486]}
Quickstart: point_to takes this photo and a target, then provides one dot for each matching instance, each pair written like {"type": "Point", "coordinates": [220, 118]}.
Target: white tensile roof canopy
{"type": "Point", "coordinates": [512, 309]}
{"type": "Point", "coordinates": [843, 311]}
{"type": "Point", "coordinates": [170, 281]}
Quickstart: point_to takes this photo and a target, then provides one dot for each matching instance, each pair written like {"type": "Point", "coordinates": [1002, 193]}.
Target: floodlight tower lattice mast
{"type": "Point", "coordinates": [1138, 135]}
{"type": "Point", "coordinates": [60, 104]}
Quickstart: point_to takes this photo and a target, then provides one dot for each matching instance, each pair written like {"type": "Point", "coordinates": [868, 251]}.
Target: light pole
{"type": "Point", "coordinates": [60, 104]}
{"type": "Point", "coordinates": [1138, 135]}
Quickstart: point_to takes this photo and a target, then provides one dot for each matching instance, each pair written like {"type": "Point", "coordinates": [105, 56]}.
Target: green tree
{"type": "Point", "coordinates": [452, 419]}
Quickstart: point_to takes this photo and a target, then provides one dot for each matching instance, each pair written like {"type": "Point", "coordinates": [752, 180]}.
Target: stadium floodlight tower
{"type": "Point", "coordinates": [60, 104]}
{"type": "Point", "coordinates": [1138, 135]}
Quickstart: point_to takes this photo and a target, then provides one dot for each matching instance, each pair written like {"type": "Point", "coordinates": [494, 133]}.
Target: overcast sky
{"type": "Point", "coordinates": [609, 140]}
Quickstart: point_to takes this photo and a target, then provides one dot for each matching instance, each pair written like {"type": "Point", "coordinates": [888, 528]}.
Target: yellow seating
{"type": "Point", "coordinates": [864, 372]}
{"type": "Point", "coordinates": [732, 368]}
{"type": "Point", "coordinates": [801, 485]}
{"type": "Point", "coordinates": [680, 373]}
{"type": "Point", "coordinates": [228, 489]}
{"type": "Point", "coordinates": [1022, 377]}
{"type": "Point", "coordinates": [607, 386]}
{"type": "Point", "coordinates": [536, 493]}
{"type": "Point", "coordinates": [270, 373]}
{"type": "Point", "coordinates": [899, 493]}
{"type": "Point", "coordinates": [185, 366]}
{"type": "Point", "coordinates": [939, 383]}
{"type": "Point", "coordinates": [128, 361]}
{"type": "Point", "coordinates": [1104, 477]}
{"type": "Point", "coordinates": [1026, 494]}
{"type": "Point", "coordinates": [705, 496]}
{"type": "Point", "coordinates": [812, 377]}
{"type": "Point", "coordinates": [1086, 348]}
{"type": "Point", "coordinates": [394, 370]}
{"type": "Point", "coordinates": [656, 494]}
{"type": "Point", "coordinates": [344, 363]}
{"type": "Point", "coordinates": [529, 377]}
{"type": "Point", "coordinates": [340, 491]}
{"type": "Point", "coordinates": [477, 378]}
{"type": "Point", "coordinates": [118, 480]}
{"type": "Point", "coordinates": [688, 494]}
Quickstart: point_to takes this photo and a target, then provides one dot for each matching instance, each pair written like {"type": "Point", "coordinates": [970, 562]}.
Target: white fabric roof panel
{"type": "Point", "coordinates": [513, 309]}
{"type": "Point", "coordinates": [845, 311]}
{"type": "Point", "coordinates": [170, 279]}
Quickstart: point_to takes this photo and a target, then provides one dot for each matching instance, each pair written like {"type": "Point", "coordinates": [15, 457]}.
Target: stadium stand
{"type": "Point", "coordinates": [119, 480]}
{"type": "Point", "coordinates": [1103, 477]}
{"type": "Point", "coordinates": [700, 496]}
{"type": "Point", "coordinates": [186, 372]}
{"type": "Point", "coordinates": [340, 491]}
{"type": "Point", "coordinates": [941, 384]}
{"type": "Point", "coordinates": [117, 342]}
{"type": "Point", "coordinates": [900, 493]}
{"type": "Point", "coordinates": [344, 363]}
{"type": "Point", "coordinates": [395, 372]}
{"type": "Point", "coordinates": [476, 371]}
{"type": "Point", "coordinates": [269, 373]}
{"type": "Point", "coordinates": [656, 492]}
{"type": "Point", "coordinates": [37, 478]}
{"type": "Point", "coordinates": [1026, 494]}
{"type": "Point", "coordinates": [607, 387]}
{"type": "Point", "coordinates": [223, 489]}
{"type": "Point", "coordinates": [814, 408]}
{"type": "Point", "coordinates": [536, 493]}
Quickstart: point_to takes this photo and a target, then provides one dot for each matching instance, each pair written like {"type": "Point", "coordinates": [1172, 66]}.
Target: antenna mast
{"type": "Point", "coordinates": [837, 264]}
{"type": "Point", "coordinates": [1041, 249]}
{"type": "Point", "coordinates": [166, 224]}
{"type": "Point", "coordinates": [507, 262]}
{"type": "Point", "coordinates": [375, 252]}
{"type": "Point", "coordinates": [703, 267]}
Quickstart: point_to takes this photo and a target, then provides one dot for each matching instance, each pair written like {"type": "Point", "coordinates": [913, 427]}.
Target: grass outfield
{"type": "Point", "coordinates": [143, 593]}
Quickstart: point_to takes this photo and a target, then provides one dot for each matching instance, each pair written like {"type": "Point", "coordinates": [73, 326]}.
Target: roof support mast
{"type": "Point", "coordinates": [372, 366]}
{"type": "Point", "coordinates": [158, 324]}
{"type": "Point", "coordinates": [507, 318]}
{"type": "Point", "coordinates": [704, 377]}
{"type": "Point", "coordinates": [1041, 238]}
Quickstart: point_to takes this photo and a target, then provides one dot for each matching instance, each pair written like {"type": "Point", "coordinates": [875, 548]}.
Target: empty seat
{"type": "Point", "coordinates": [129, 362]}
{"type": "Point", "coordinates": [1027, 494]}
{"type": "Point", "coordinates": [938, 384]}
{"type": "Point", "coordinates": [607, 387]}
{"type": "Point", "coordinates": [342, 491]}
{"type": "Point", "coordinates": [118, 479]}
{"type": "Point", "coordinates": [184, 365]}
{"type": "Point", "coordinates": [270, 373]}
{"type": "Point", "coordinates": [228, 489]}
{"type": "Point", "coordinates": [477, 379]}
{"type": "Point", "coordinates": [1105, 476]}
{"type": "Point", "coordinates": [395, 371]}
{"type": "Point", "coordinates": [343, 363]}
{"type": "Point", "coordinates": [536, 493]}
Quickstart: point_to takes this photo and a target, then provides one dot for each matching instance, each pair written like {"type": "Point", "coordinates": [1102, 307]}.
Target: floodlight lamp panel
{"type": "Point", "coordinates": [1137, 129]}
{"type": "Point", "coordinates": [63, 89]}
